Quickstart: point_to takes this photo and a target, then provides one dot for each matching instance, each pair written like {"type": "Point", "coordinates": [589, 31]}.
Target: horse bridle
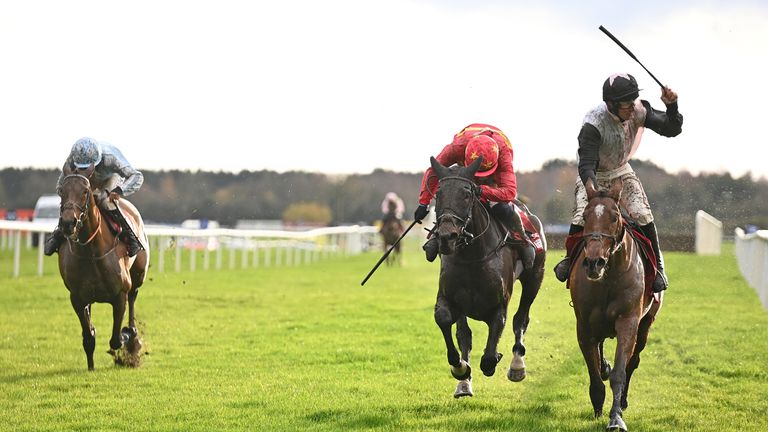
{"type": "Point", "coordinates": [465, 237]}
{"type": "Point", "coordinates": [83, 216]}
{"type": "Point", "coordinates": [616, 242]}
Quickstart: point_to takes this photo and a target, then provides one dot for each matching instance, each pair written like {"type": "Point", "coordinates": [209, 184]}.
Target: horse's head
{"type": "Point", "coordinates": [603, 228]}
{"type": "Point", "coordinates": [454, 201]}
{"type": "Point", "coordinates": [76, 197]}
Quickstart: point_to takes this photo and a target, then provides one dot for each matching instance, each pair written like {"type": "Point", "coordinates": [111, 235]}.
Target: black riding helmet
{"type": "Point", "coordinates": [620, 88]}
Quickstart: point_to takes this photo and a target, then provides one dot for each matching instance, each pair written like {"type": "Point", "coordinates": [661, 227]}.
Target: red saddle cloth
{"type": "Point", "coordinates": [113, 225]}
{"type": "Point", "coordinates": [574, 243]}
{"type": "Point", "coordinates": [534, 235]}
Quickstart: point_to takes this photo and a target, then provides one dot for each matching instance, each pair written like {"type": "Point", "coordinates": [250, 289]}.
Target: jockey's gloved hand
{"type": "Point", "coordinates": [421, 212]}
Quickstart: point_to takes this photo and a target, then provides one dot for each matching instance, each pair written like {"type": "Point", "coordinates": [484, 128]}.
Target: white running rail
{"type": "Point", "coordinates": [752, 256]}
{"type": "Point", "coordinates": [255, 247]}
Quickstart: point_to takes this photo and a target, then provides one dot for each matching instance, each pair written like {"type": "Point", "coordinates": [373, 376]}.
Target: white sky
{"type": "Point", "coordinates": [347, 86]}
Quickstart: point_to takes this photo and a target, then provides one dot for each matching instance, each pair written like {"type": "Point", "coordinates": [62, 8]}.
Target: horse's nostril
{"type": "Point", "coordinates": [601, 262]}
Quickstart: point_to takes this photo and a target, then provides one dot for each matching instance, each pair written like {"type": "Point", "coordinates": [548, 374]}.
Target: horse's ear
{"type": "Point", "coordinates": [590, 187]}
{"type": "Point", "coordinates": [473, 167]}
{"type": "Point", "coordinates": [440, 170]}
{"type": "Point", "coordinates": [67, 169]}
{"type": "Point", "coordinates": [616, 187]}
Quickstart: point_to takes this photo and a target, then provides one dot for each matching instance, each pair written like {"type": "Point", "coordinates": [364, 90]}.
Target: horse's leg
{"type": "Point", "coordinates": [626, 336]}
{"type": "Point", "coordinates": [445, 318]}
{"type": "Point", "coordinates": [590, 351]}
{"type": "Point", "coordinates": [530, 281]}
{"type": "Point", "coordinates": [118, 312]}
{"type": "Point", "coordinates": [491, 356]}
{"type": "Point", "coordinates": [605, 366]}
{"type": "Point", "coordinates": [464, 337]}
{"type": "Point", "coordinates": [83, 311]}
{"type": "Point", "coordinates": [642, 338]}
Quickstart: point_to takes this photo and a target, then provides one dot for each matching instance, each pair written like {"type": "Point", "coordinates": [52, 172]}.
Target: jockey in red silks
{"type": "Point", "coordinates": [496, 178]}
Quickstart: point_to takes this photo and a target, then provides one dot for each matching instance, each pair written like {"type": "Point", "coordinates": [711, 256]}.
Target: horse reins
{"type": "Point", "coordinates": [83, 211]}
{"type": "Point", "coordinates": [466, 237]}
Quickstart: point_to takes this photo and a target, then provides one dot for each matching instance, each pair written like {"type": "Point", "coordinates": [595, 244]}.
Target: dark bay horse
{"type": "Point", "coordinates": [477, 272]}
{"type": "Point", "coordinates": [391, 230]}
{"type": "Point", "coordinates": [96, 268]}
{"type": "Point", "coordinates": [610, 300]}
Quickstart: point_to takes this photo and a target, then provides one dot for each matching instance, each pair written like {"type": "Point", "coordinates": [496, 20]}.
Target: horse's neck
{"type": "Point", "coordinates": [96, 233]}
{"type": "Point", "coordinates": [623, 257]}
{"type": "Point", "coordinates": [487, 231]}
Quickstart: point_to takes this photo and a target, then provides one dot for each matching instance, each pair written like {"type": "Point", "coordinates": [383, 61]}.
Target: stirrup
{"type": "Point", "coordinates": [431, 249]}
{"type": "Point", "coordinates": [561, 269]}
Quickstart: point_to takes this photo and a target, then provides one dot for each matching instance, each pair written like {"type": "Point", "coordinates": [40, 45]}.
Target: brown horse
{"type": "Point", "coordinates": [391, 230]}
{"type": "Point", "coordinates": [95, 265]}
{"type": "Point", "coordinates": [477, 272]}
{"type": "Point", "coordinates": [610, 300]}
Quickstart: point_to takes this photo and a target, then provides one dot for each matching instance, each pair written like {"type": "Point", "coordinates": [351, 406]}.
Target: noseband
{"type": "Point", "coordinates": [616, 241]}
{"type": "Point", "coordinates": [83, 209]}
{"type": "Point", "coordinates": [465, 237]}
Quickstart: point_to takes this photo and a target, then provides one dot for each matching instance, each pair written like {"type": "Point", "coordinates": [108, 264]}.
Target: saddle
{"type": "Point", "coordinates": [531, 231]}
{"type": "Point", "coordinates": [575, 243]}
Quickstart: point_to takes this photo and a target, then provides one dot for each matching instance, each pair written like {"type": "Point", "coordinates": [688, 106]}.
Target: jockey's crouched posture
{"type": "Point", "coordinates": [496, 178]}
{"type": "Point", "coordinates": [112, 178]}
{"type": "Point", "coordinates": [608, 138]}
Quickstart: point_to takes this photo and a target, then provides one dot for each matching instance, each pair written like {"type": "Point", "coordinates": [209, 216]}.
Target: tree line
{"type": "Point", "coordinates": [296, 196]}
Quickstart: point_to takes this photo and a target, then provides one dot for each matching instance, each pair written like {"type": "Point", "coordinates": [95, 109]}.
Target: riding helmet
{"type": "Point", "coordinates": [488, 148]}
{"type": "Point", "coordinates": [86, 151]}
{"type": "Point", "coordinates": [620, 87]}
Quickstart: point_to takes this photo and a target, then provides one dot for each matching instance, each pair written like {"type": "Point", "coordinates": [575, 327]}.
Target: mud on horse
{"type": "Point", "coordinates": [477, 272]}
{"type": "Point", "coordinates": [611, 297]}
{"type": "Point", "coordinates": [95, 265]}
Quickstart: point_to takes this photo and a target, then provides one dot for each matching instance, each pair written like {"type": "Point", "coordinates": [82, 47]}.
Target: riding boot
{"type": "Point", "coordinates": [126, 234]}
{"type": "Point", "coordinates": [431, 248]}
{"type": "Point", "coordinates": [509, 217]}
{"type": "Point", "coordinates": [661, 282]}
{"type": "Point", "coordinates": [54, 241]}
{"type": "Point", "coordinates": [562, 268]}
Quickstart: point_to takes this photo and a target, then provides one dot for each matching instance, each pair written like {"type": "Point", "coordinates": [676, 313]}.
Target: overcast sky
{"type": "Point", "coordinates": [347, 86]}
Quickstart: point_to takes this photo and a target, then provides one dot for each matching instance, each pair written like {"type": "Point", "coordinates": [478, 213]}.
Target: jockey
{"type": "Point", "coordinates": [609, 137]}
{"type": "Point", "coordinates": [392, 208]}
{"type": "Point", "coordinates": [496, 178]}
{"type": "Point", "coordinates": [112, 178]}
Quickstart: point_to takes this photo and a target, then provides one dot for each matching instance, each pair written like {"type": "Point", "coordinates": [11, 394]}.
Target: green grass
{"type": "Point", "coordinates": [308, 348]}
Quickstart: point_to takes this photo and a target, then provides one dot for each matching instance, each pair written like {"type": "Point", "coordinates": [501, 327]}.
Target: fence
{"type": "Point", "coordinates": [709, 234]}
{"type": "Point", "coordinates": [255, 247]}
{"type": "Point", "coordinates": [752, 256]}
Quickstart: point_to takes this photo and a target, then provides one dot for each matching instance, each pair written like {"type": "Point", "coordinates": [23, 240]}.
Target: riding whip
{"type": "Point", "coordinates": [386, 254]}
{"type": "Point", "coordinates": [613, 38]}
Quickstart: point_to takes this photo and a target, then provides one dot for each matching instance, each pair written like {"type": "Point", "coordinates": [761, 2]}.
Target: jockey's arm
{"type": "Point", "coordinates": [505, 187]}
{"type": "Point", "coordinates": [589, 158]}
{"type": "Point", "coordinates": [668, 124]}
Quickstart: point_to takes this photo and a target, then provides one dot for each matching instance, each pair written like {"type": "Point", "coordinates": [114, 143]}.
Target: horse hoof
{"type": "Point", "coordinates": [516, 375]}
{"type": "Point", "coordinates": [462, 371]}
{"type": "Point", "coordinates": [463, 388]}
{"type": "Point", "coordinates": [617, 424]}
{"type": "Point", "coordinates": [488, 364]}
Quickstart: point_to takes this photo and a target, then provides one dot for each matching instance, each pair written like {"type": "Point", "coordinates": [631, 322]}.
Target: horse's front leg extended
{"type": "Point", "coordinates": [626, 336]}
{"type": "Point", "coordinates": [464, 337]}
{"type": "Point", "coordinates": [444, 317]}
{"type": "Point", "coordinates": [118, 312]}
{"type": "Point", "coordinates": [491, 356]}
{"type": "Point", "coordinates": [83, 311]}
{"type": "Point", "coordinates": [591, 353]}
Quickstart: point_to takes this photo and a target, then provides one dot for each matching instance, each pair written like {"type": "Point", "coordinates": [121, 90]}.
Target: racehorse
{"type": "Point", "coordinates": [391, 230]}
{"type": "Point", "coordinates": [95, 266]}
{"type": "Point", "coordinates": [610, 299]}
{"type": "Point", "coordinates": [477, 272]}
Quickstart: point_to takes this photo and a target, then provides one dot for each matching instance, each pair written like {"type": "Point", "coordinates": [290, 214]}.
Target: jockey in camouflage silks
{"type": "Point", "coordinates": [610, 134]}
{"type": "Point", "coordinates": [112, 178]}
